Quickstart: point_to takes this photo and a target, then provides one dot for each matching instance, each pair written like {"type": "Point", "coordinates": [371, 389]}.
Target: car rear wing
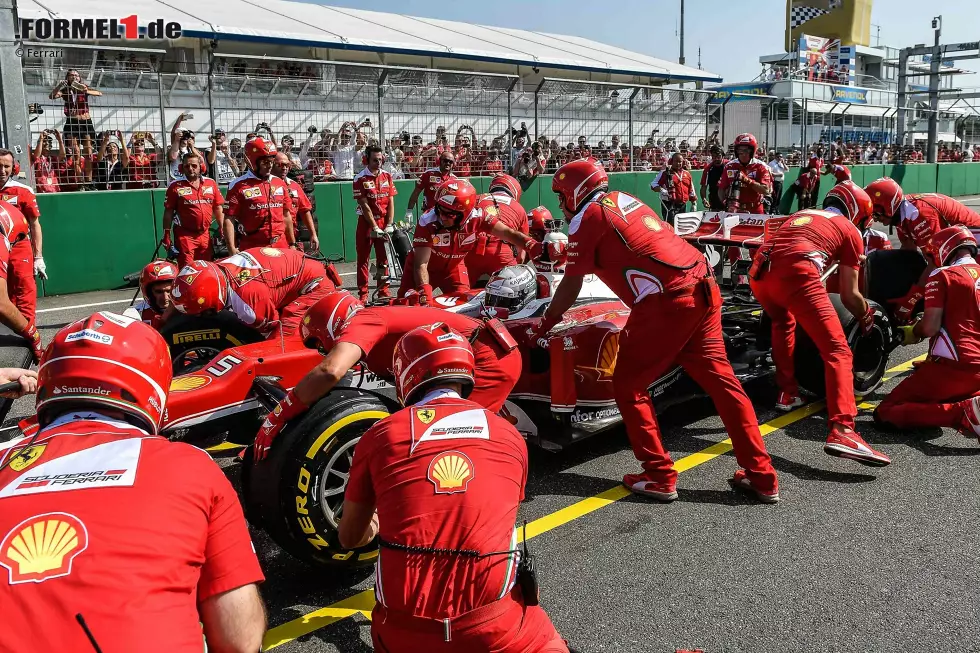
{"type": "Point", "coordinates": [722, 228]}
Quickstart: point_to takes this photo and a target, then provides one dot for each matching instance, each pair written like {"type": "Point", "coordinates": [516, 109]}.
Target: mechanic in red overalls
{"type": "Point", "coordinates": [375, 191]}
{"type": "Point", "coordinates": [26, 260]}
{"type": "Point", "coordinates": [14, 224]}
{"type": "Point", "coordinates": [429, 181]}
{"type": "Point", "coordinates": [676, 188]}
{"type": "Point", "coordinates": [785, 279]}
{"type": "Point", "coordinates": [156, 284]}
{"type": "Point", "coordinates": [268, 289]}
{"type": "Point", "coordinates": [191, 204]}
{"type": "Point", "coordinates": [446, 234]}
{"type": "Point", "coordinates": [918, 218]}
{"type": "Point", "coordinates": [444, 509]}
{"type": "Point", "coordinates": [346, 332]}
{"type": "Point", "coordinates": [945, 389]}
{"type": "Point", "coordinates": [805, 188]}
{"type": "Point", "coordinates": [259, 206]}
{"type": "Point", "coordinates": [746, 180]}
{"type": "Point", "coordinates": [675, 319]}
{"type": "Point", "coordinates": [104, 520]}
{"type": "Point", "coordinates": [840, 171]}
{"type": "Point", "coordinates": [490, 254]}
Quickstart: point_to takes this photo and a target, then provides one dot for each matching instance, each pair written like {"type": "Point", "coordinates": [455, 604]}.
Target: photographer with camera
{"type": "Point", "coordinates": [47, 162]}
{"type": "Point", "coordinates": [530, 163]}
{"type": "Point", "coordinates": [75, 94]}
{"type": "Point", "coordinates": [316, 158]}
{"type": "Point", "coordinates": [182, 142]}
{"type": "Point", "coordinates": [224, 167]}
{"type": "Point", "coordinates": [349, 148]}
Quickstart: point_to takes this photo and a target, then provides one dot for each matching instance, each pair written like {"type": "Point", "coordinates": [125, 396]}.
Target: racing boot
{"type": "Point", "coordinates": [650, 487]}
{"type": "Point", "coordinates": [844, 442]}
{"type": "Point", "coordinates": [742, 483]}
{"type": "Point", "coordinates": [384, 292]}
{"type": "Point", "coordinates": [970, 421]}
{"type": "Point", "coordinates": [788, 402]}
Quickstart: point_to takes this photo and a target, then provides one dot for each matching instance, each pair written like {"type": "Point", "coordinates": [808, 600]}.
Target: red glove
{"type": "Point", "coordinates": [288, 408]}
{"type": "Point", "coordinates": [425, 295]}
{"type": "Point", "coordinates": [868, 321]}
{"type": "Point", "coordinates": [30, 332]}
{"type": "Point", "coordinates": [167, 242]}
{"type": "Point", "coordinates": [533, 248]}
{"type": "Point", "coordinates": [905, 306]}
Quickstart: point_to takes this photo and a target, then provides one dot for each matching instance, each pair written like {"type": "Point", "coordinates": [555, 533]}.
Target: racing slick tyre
{"type": "Point", "coordinates": [296, 494]}
{"type": "Point", "coordinates": [14, 352]}
{"type": "Point", "coordinates": [194, 341]}
{"type": "Point", "coordinates": [870, 352]}
{"type": "Point", "coordinates": [891, 273]}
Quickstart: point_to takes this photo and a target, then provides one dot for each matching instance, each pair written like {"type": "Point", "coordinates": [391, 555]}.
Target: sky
{"type": "Point", "coordinates": [731, 35]}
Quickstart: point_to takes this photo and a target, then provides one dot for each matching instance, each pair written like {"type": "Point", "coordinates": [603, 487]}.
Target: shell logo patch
{"type": "Point", "coordinates": [43, 547]}
{"type": "Point", "coordinates": [426, 415]}
{"type": "Point", "coordinates": [252, 193]}
{"type": "Point", "coordinates": [561, 176]}
{"type": "Point", "coordinates": [188, 383]}
{"type": "Point", "coordinates": [652, 223]}
{"type": "Point", "coordinates": [26, 457]}
{"type": "Point", "coordinates": [492, 210]}
{"type": "Point", "coordinates": [451, 472]}
{"type": "Point", "coordinates": [799, 222]}
{"type": "Point", "coordinates": [271, 251]}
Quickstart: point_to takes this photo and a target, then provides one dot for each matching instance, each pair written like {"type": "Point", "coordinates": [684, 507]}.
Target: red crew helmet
{"type": "Point", "coordinates": [886, 195]}
{"type": "Point", "coordinates": [200, 286]}
{"type": "Point", "coordinates": [430, 355]}
{"type": "Point", "coordinates": [12, 222]}
{"type": "Point", "coordinates": [506, 183]}
{"type": "Point", "coordinates": [258, 148]}
{"type": "Point", "coordinates": [455, 198]}
{"type": "Point", "coordinates": [321, 324]}
{"type": "Point", "coordinates": [109, 361]}
{"type": "Point", "coordinates": [852, 201]}
{"type": "Point", "coordinates": [746, 139]}
{"type": "Point", "coordinates": [156, 272]}
{"type": "Point", "coordinates": [541, 222]}
{"type": "Point", "coordinates": [576, 181]}
{"type": "Point", "coordinates": [946, 241]}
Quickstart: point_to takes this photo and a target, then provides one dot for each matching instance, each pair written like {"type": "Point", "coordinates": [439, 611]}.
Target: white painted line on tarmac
{"type": "Point", "coordinates": [68, 308]}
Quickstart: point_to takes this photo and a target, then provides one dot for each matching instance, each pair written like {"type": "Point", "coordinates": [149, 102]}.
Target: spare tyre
{"type": "Point", "coordinates": [15, 351]}
{"type": "Point", "coordinates": [297, 493]}
{"type": "Point", "coordinates": [870, 352]}
{"type": "Point", "coordinates": [194, 341]}
{"type": "Point", "coordinates": [891, 273]}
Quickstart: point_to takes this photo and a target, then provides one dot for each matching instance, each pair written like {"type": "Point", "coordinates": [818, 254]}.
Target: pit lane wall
{"type": "Point", "coordinates": [93, 239]}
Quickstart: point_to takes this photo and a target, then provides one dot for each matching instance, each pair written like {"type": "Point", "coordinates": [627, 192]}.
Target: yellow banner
{"type": "Point", "coordinates": [847, 20]}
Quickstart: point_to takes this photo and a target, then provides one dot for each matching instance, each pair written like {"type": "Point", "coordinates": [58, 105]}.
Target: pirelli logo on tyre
{"type": "Point", "coordinates": [197, 336]}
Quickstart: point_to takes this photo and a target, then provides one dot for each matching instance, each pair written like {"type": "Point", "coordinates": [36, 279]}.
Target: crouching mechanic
{"type": "Point", "coordinates": [446, 234]}
{"type": "Point", "coordinates": [490, 253]}
{"type": "Point", "coordinates": [156, 284]}
{"type": "Point", "coordinates": [346, 332]}
{"type": "Point", "coordinates": [786, 279]}
{"type": "Point", "coordinates": [149, 541]}
{"type": "Point", "coordinates": [266, 288]}
{"type": "Point", "coordinates": [945, 389]}
{"type": "Point", "coordinates": [918, 218]}
{"type": "Point", "coordinates": [444, 510]}
{"type": "Point", "coordinates": [675, 319]}
{"type": "Point", "coordinates": [17, 315]}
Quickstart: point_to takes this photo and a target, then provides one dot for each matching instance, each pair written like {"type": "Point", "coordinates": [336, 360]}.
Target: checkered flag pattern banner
{"type": "Point", "coordinates": [800, 15]}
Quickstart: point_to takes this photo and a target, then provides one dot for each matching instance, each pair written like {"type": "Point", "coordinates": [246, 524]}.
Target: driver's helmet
{"type": "Point", "coordinates": [541, 222]}
{"type": "Point", "coordinates": [156, 272]}
{"type": "Point", "coordinates": [432, 355]}
{"type": "Point", "coordinates": [201, 286]}
{"type": "Point", "coordinates": [512, 288]}
{"type": "Point", "coordinates": [106, 361]}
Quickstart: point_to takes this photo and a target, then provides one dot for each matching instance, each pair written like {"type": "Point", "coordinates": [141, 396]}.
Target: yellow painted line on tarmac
{"type": "Point", "coordinates": [363, 602]}
{"type": "Point", "coordinates": [225, 446]}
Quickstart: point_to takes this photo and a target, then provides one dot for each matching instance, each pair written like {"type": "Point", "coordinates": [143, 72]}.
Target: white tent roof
{"type": "Point", "coordinates": [313, 25]}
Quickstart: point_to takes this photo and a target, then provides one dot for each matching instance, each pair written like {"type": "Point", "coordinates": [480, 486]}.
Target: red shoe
{"type": "Point", "coordinates": [363, 297]}
{"type": "Point", "coordinates": [788, 402]}
{"type": "Point", "coordinates": [655, 489]}
{"type": "Point", "coordinates": [384, 291]}
{"type": "Point", "coordinates": [845, 443]}
{"type": "Point", "coordinates": [741, 482]}
{"type": "Point", "coordinates": [970, 422]}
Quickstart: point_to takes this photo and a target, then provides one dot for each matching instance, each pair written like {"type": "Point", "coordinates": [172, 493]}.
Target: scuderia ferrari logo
{"type": "Point", "coordinates": [26, 457]}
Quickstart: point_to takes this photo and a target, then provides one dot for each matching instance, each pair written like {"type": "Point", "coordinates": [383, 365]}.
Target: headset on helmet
{"type": "Point", "coordinates": [109, 361]}
{"type": "Point", "coordinates": [541, 222]}
{"type": "Point", "coordinates": [156, 272]}
{"type": "Point", "coordinates": [431, 355]}
{"type": "Point", "coordinates": [258, 148]}
{"type": "Point", "coordinates": [201, 286]}
{"type": "Point", "coordinates": [512, 288]}
{"type": "Point", "coordinates": [13, 224]}
{"type": "Point", "coordinates": [321, 324]}
{"type": "Point", "coordinates": [455, 198]}
{"type": "Point", "coordinates": [507, 184]}
{"type": "Point", "coordinates": [577, 181]}
{"type": "Point", "coordinates": [945, 242]}
{"type": "Point", "coordinates": [853, 202]}
{"type": "Point", "coordinates": [886, 196]}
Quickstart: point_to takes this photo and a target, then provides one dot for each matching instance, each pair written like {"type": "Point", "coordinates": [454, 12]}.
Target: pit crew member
{"type": "Point", "coordinates": [268, 289]}
{"type": "Point", "coordinates": [676, 188]}
{"type": "Point", "coordinates": [785, 278]}
{"type": "Point", "coordinates": [302, 207]}
{"type": "Point", "coordinates": [429, 181]}
{"type": "Point", "coordinates": [545, 229]}
{"type": "Point", "coordinates": [104, 522]}
{"type": "Point", "coordinates": [192, 203]}
{"type": "Point", "coordinates": [917, 218]}
{"type": "Point", "coordinates": [446, 234]}
{"type": "Point", "coordinates": [346, 332]}
{"type": "Point", "coordinates": [675, 305]}
{"type": "Point", "coordinates": [710, 178]}
{"type": "Point", "coordinates": [375, 191]}
{"type": "Point", "coordinates": [839, 171]}
{"type": "Point", "coordinates": [805, 189]}
{"type": "Point", "coordinates": [259, 205]}
{"type": "Point", "coordinates": [745, 180]}
{"type": "Point", "coordinates": [490, 254]}
{"type": "Point", "coordinates": [944, 390]}
{"type": "Point", "coordinates": [444, 511]}
{"type": "Point", "coordinates": [13, 223]}
{"type": "Point", "coordinates": [156, 284]}
{"type": "Point", "coordinates": [26, 260]}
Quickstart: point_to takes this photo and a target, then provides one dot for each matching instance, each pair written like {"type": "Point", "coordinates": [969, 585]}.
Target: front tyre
{"type": "Point", "coordinates": [194, 341]}
{"type": "Point", "coordinates": [297, 493]}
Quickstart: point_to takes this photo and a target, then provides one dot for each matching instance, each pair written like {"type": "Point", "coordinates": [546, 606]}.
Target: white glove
{"type": "Point", "coordinates": [390, 229]}
{"type": "Point", "coordinates": [378, 233]}
{"type": "Point", "coordinates": [40, 269]}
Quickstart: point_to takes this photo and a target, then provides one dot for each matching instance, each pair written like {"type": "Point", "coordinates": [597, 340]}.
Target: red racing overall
{"type": "Point", "coordinates": [429, 181]}
{"type": "Point", "coordinates": [749, 200]}
{"type": "Point", "coordinates": [379, 191]}
{"type": "Point", "coordinates": [675, 319]}
{"type": "Point", "coordinates": [377, 330]}
{"type": "Point", "coordinates": [195, 212]}
{"type": "Point", "coordinates": [259, 207]}
{"type": "Point", "coordinates": [790, 291]}
{"type": "Point", "coordinates": [490, 254]}
{"type": "Point", "coordinates": [448, 474]}
{"type": "Point", "coordinates": [921, 216]}
{"type": "Point", "coordinates": [21, 285]}
{"type": "Point", "coordinates": [951, 374]}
